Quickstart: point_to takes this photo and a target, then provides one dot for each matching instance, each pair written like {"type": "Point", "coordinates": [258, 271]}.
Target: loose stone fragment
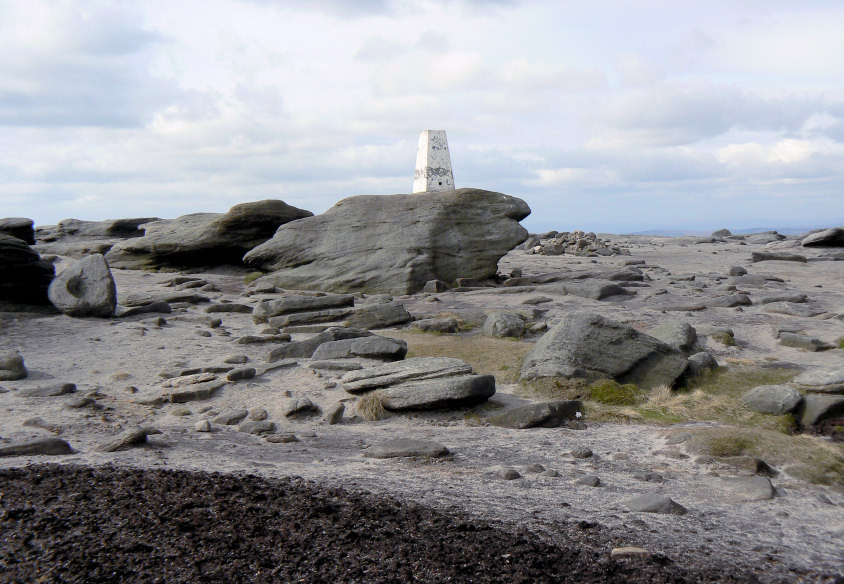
{"type": "Point", "coordinates": [507, 474]}
{"type": "Point", "coordinates": [47, 446]}
{"type": "Point", "coordinates": [129, 438]}
{"type": "Point", "coordinates": [405, 447]}
{"type": "Point", "coordinates": [653, 503]}
{"type": "Point", "coordinates": [12, 366]}
{"type": "Point", "coordinates": [52, 390]}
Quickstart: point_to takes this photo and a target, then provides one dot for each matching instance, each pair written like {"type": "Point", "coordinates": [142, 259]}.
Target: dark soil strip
{"type": "Point", "coordinates": [81, 524]}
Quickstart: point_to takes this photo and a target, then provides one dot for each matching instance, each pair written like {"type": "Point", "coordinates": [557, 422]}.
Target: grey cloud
{"type": "Point", "coordinates": [95, 76]}
{"type": "Point", "coordinates": [681, 114]}
{"type": "Point", "coordinates": [362, 8]}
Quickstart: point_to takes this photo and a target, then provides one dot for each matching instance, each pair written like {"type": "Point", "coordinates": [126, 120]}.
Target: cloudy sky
{"type": "Point", "coordinates": [608, 115]}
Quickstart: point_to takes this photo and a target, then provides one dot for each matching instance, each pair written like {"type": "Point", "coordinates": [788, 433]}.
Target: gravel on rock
{"type": "Point", "coordinates": [105, 524]}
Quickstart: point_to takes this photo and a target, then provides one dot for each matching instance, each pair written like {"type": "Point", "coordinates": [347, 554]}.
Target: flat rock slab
{"type": "Point", "coordinates": [824, 380]}
{"type": "Point", "coordinates": [795, 297]}
{"type": "Point", "coordinates": [805, 342]}
{"type": "Point", "coordinates": [306, 348]}
{"type": "Point", "coordinates": [229, 307]}
{"type": "Point", "coordinates": [772, 399]}
{"type": "Point", "coordinates": [371, 347]}
{"type": "Point", "coordinates": [375, 316]}
{"type": "Point", "coordinates": [47, 446]}
{"type": "Point", "coordinates": [195, 392]}
{"type": "Point", "coordinates": [231, 418]}
{"type": "Point", "coordinates": [257, 427]}
{"type": "Point", "coordinates": [405, 447]}
{"type": "Point", "coordinates": [763, 256]}
{"type": "Point", "coordinates": [128, 439]}
{"type": "Point", "coordinates": [542, 415]}
{"type": "Point", "coordinates": [791, 309]}
{"type": "Point", "coordinates": [52, 390]}
{"type": "Point", "coordinates": [653, 503]}
{"type": "Point", "coordinates": [414, 369]}
{"type": "Point", "coordinates": [593, 289]}
{"type": "Point", "coordinates": [744, 489]}
{"type": "Point", "coordinates": [335, 365]}
{"type": "Point", "coordinates": [728, 301]}
{"type": "Point", "coordinates": [302, 303]}
{"type": "Point", "coordinates": [442, 393]}
{"type": "Point", "coordinates": [152, 308]}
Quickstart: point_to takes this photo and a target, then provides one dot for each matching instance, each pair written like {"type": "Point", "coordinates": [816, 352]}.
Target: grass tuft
{"type": "Point", "coordinates": [370, 407]}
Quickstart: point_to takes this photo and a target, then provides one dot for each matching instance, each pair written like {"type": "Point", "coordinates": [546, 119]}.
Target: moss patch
{"type": "Point", "coordinates": [724, 338]}
{"type": "Point", "coordinates": [806, 457]}
{"type": "Point", "coordinates": [251, 277]}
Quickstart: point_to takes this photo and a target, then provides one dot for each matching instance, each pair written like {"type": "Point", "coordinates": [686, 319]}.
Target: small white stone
{"type": "Point", "coordinates": [203, 426]}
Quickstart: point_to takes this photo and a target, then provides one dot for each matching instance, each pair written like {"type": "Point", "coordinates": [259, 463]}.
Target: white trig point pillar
{"type": "Point", "coordinates": [433, 163]}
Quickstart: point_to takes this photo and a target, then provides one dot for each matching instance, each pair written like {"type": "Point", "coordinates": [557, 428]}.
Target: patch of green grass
{"type": "Point", "coordinates": [610, 392]}
{"type": "Point", "coordinates": [659, 415]}
{"type": "Point", "coordinates": [839, 343]}
{"type": "Point", "coordinates": [251, 277]}
{"type": "Point", "coordinates": [553, 388]}
{"type": "Point", "coordinates": [487, 355]}
{"type": "Point", "coordinates": [807, 457]}
{"type": "Point", "coordinates": [737, 380]}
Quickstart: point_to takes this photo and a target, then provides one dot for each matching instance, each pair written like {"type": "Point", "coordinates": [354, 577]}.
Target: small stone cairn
{"type": "Point", "coordinates": [572, 243]}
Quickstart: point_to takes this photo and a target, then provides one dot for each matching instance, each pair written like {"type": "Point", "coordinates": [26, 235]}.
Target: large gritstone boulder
{"type": "Point", "coordinates": [832, 237]}
{"type": "Point", "coordinates": [85, 289]}
{"type": "Point", "coordinates": [25, 276]}
{"type": "Point", "coordinates": [396, 243]}
{"type": "Point", "coordinates": [204, 239]}
{"type": "Point", "coordinates": [589, 346]}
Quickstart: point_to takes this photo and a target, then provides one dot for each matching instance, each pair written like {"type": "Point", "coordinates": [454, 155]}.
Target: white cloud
{"type": "Point", "coordinates": [596, 111]}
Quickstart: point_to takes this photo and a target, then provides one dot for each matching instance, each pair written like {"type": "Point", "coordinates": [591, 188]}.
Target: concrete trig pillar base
{"type": "Point", "coordinates": [433, 163]}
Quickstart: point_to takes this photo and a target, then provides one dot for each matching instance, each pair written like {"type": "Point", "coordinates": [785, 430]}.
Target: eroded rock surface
{"type": "Point", "coordinates": [394, 244]}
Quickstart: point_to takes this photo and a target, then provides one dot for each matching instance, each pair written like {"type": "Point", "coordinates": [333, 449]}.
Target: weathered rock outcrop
{"type": "Point", "coordinates": [394, 244]}
{"type": "Point", "coordinates": [589, 346]}
{"type": "Point", "coordinates": [204, 239]}
{"type": "Point", "coordinates": [423, 383]}
{"type": "Point", "coordinates": [19, 227]}
{"type": "Point", "coordinates": [25, 276]}
{"type": "Point", "coordinates": [832, 237]}
{"type": "Point", "coordinates": [77, 238]}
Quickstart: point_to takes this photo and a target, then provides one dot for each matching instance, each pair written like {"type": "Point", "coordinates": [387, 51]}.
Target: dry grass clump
{"type": "Point", "coordinates": [500, 357]}
{"type": "Point", "coordinates": [807, 457]}
{"type": "Point", "coordinates": [370, 407]}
